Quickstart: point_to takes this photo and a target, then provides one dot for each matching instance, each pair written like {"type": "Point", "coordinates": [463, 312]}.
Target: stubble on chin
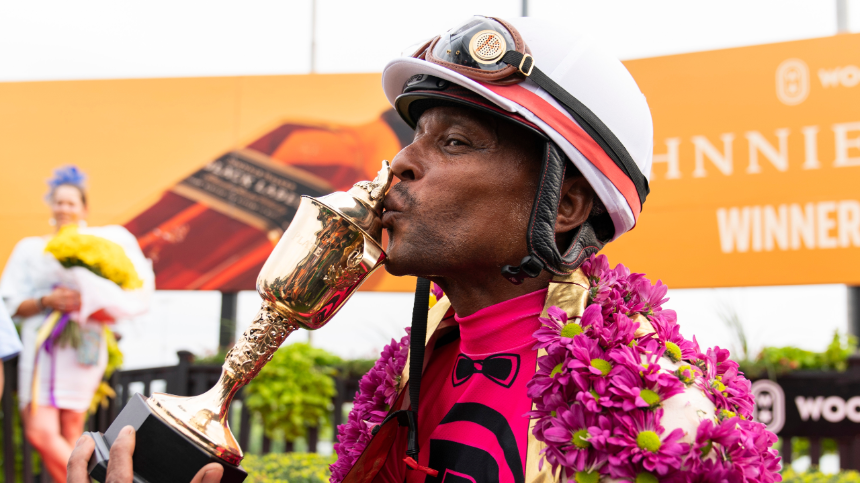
{"type": "Point", "coordinates": [423, 247]}
{"type": "Point", "coordinates": [423, 243]}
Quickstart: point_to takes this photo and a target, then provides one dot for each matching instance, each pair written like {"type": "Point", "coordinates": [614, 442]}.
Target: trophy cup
{"type": "Point", "coordinates": [333, 243]}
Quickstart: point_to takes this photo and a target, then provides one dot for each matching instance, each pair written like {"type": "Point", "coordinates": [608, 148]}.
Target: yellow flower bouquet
{"type": "Point", "coordinates": [98, 255]}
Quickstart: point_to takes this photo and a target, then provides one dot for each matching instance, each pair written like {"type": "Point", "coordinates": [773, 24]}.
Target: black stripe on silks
{"type": "Point", "coordinates": [589, 122]}
{"type": "Point", "coordinates": [496, 423]}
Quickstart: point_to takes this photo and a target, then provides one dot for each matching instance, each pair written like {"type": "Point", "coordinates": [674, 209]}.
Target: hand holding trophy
{"type": "Point", "coordinates": [331, 246]}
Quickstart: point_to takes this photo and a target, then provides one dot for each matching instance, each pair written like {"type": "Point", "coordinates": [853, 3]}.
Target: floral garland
{"type": "Point", "coordinates": [377, 391]}
{"type": "Point", "coordinates": [604, 392]}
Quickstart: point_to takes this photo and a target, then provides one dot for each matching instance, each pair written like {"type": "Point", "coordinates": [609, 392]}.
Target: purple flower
{"type": "Point", "coordinates": [710, 433]}
{"type": "Point", "coordinates": [555, 329]}
{"type": "Point", "coordinates": [639, 438]}
{"type": "Point", "coordinates": [724, 384]}
{"type": "Point", "coordinates": [593, 392]}
{"type": "Point", "coordinates": [733, 450]}
{"type": "Point", "coordinates": [436, 291]}
{"type": "Point", "coordinates": [569, 442]}
{"type": "Point", "coordinates": [619, 332]}
{"type": "Point", "coordinates": [589, 358]}
{"type": "Point", "coordinates": [652, 297]}
{"type": "Point", "coordinates": [597, 268]}
{"type": "Point", "coordinates": [669, 334]}
{"type": "Point", "coordinates": [545, 409]}
{"type": "Point", "coordinates": [377, 393]}
{"type": "Point", "coordinates": [552, 374]}
{"type": "Point", "coordinates": [688, 374]}
{"type": "Point", "coordinates": [630, 394]}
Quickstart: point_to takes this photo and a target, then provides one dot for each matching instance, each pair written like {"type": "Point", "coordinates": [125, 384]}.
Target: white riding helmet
{"type": "Point", "coordinates": [554, 81]}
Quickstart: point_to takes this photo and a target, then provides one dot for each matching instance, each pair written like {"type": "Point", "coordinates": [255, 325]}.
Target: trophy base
{"type": "Point", "coordinates": [161, 454]}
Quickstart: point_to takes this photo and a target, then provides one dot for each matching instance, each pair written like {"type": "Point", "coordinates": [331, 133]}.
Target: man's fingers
{"type": "Point", "coordinates": [77, 465]}
{"type": "Point", "coordinates": [120, 468]}
{"type": "Point", "coordinates": [210, 473]}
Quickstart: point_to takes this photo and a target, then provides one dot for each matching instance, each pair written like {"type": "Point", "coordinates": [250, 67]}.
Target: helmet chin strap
{"type": "Point", "coordinates": [543, 251]}
{"type": "Point", "coordinates": [584, 244]}
{"type": "Point", "coordinates": [530, 267]}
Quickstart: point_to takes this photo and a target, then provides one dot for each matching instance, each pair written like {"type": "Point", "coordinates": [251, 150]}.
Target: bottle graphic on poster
{"type": "Point", "coordinates": [215, 229]}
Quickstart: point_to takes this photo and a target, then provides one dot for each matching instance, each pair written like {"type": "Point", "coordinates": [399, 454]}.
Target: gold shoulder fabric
{"type": "Point", "coordinates": [569, 293]}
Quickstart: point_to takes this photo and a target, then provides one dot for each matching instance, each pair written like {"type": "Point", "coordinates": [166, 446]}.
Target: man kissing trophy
{"type": "Point", "coordinates": [332, 245]}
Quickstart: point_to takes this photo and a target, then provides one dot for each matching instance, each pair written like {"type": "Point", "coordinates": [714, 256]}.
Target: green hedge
{"type": "Point", "coordinates": [773, 362]}
{"type": "Point", "coordinates": [312, 468]}
{"type": "Point", "coordinates": [287, 468]}
{"type": "Point", "coordinates": [814, 476]}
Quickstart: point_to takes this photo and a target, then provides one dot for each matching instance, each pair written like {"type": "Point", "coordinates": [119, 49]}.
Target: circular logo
{"type": "Point", "coordinates": [487, 46]}
{"type": "Point", "coordinates": [769, 404]}
{"type": "Point", "coordinates": [792, 82]}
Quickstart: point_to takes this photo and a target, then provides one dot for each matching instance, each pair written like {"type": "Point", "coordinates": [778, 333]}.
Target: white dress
{"type": "Point", "coordinates": [31, 273]}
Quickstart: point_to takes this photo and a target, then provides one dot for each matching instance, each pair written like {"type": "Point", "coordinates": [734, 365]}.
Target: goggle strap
{"type": "Point", "coordinates": [589, 122]}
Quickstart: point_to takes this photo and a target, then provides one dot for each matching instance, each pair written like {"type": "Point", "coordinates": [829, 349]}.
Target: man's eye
{"type": "Point", "coordinates": [455, 142]}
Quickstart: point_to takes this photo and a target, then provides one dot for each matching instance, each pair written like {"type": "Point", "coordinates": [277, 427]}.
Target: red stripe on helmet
{"type": "Point", "coordinates": [576, 136]}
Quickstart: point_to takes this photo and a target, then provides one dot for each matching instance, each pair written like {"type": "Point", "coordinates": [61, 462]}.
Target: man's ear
{"type": "Point", "coordinates": [574, 206]}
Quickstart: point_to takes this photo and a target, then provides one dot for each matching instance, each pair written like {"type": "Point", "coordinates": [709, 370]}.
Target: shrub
{"type": "Point", "coordinates": [777, 361]}
{"type": "Point", "coordinates": [815, 476]}
{"type": "Point", "coordinates": [287, 468]}
{"type": "Point", "coordinates": [294, 390]}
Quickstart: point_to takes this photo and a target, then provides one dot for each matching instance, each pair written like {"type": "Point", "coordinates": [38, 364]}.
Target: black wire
{"type": "Point", "coordinates": [418, 334]}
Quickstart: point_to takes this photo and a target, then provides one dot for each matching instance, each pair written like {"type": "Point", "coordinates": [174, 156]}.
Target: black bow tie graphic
{"type": "Point", "coordinates": [499, 368]}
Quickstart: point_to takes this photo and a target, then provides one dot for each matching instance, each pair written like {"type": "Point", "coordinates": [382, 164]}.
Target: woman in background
{"type": "Point", "coordinates": [30, 289]}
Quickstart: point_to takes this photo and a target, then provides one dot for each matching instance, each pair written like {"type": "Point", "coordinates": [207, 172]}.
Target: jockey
{"type": "Point", "coordinates": [532, 150]}
{"type": "Point", "coordinates": [538, 362]}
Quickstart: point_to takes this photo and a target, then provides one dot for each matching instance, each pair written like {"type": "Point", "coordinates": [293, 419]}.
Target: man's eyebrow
{"type": "Point", "coordinates": [463, 116]}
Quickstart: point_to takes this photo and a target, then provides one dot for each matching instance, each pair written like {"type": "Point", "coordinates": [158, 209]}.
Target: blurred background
{"type": "Point", "coordinates": [753, 221]}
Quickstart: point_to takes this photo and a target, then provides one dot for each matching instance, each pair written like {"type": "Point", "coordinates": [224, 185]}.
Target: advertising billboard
{"type": "Point", "coordinates": [755, 181]}
{"type": "Point", "coordinates": [756, 175]}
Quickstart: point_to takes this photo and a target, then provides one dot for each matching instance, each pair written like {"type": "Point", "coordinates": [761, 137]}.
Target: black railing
{"type": "Point", "coordinates": [836, 415]}
{"type": "Point", "coordinates": [816, 405]}
{"type": "Point", "coordinates": [183, 379]}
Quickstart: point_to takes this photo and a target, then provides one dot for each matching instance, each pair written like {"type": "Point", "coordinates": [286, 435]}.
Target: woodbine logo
{"type": "Point", "coordinates": [846, 76]}
{"type": "Point", "coordinates": [833, 409]}
{"type": "Point", "coordinates": [793, 80]}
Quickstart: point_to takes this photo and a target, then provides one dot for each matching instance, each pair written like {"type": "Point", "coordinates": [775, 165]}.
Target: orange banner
{"type": "Point", "coordinates": [206, 172]}
{"type": "Point", "coordinates": [756, 179]}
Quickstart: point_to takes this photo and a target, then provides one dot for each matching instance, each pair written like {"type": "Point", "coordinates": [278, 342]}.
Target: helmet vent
{"type": "Point", "coordinates": [487, 46]}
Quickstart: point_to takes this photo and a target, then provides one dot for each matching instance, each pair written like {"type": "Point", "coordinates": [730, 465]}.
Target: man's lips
{"type": "Point", "coordinates": [388, 218]}
{"type": "Point", "coordinates": [393, 209]}
{"type": "Point", "coordinates": [393, 202]}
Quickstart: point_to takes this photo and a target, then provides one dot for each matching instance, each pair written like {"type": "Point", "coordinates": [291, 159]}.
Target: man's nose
{"type": "Point", "coordinates": [407, 166]}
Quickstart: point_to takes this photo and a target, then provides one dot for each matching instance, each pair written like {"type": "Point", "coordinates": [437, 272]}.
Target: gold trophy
{"type": "Point", "coordinates": [331, 246]}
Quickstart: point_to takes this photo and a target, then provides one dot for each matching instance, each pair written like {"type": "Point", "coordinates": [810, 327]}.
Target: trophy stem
{"type": "Point", "coordinates": [204, 418]}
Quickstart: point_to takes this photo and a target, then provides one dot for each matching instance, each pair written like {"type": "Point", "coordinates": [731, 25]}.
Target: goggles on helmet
{"type": "Point", "coordinates": [475, 49]}
{"type": "Point", "coordinates": [491, 51]}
